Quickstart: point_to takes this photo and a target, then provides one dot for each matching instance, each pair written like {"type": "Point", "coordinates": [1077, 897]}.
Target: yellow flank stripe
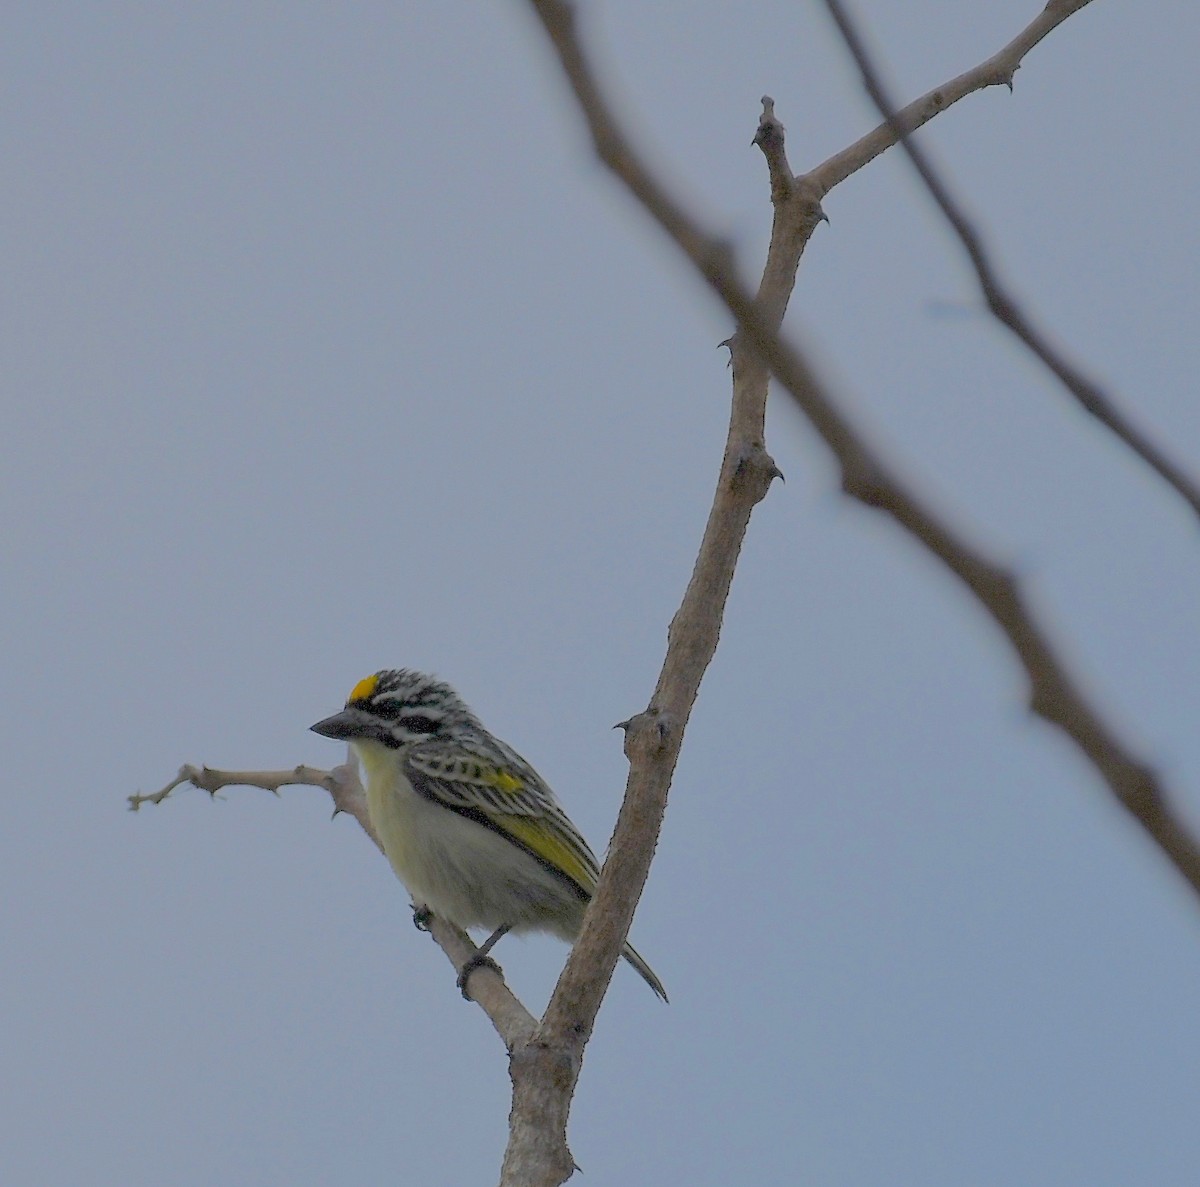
{"type": "Point", "coordinates": [502, 780]}
{"type": "Point", "coordinates": [547, 846]}
{"type": "Point", "coordinates": [363, 690]}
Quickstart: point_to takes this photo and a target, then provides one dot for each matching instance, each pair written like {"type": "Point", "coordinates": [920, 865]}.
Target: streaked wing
{"type": "Point", "coordinates": [508, 796]}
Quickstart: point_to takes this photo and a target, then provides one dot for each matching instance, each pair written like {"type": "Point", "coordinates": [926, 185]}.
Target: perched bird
{"type": "Point", "coordinates": [469, 826]}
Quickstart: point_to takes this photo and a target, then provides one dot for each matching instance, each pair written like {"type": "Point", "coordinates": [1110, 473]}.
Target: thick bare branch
{"type": "Point", "coordinates": [514, 1024]}
{"type": "Point", "coordinates": [1000, 300]}
{"type": "Point", "coordinates": [545, 1071]}
{"type": "Point", "coordinates": [1054, 694]}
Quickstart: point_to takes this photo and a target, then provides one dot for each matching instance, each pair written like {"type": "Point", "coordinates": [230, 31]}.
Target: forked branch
{"type": "Point", "coordinates": [538, 1119]}
{"type": "Point", "coordinates": [1054, 693]}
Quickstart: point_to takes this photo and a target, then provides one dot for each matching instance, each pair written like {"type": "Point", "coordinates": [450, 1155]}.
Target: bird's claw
{"type": "Point", "coordinates": [479, 961]}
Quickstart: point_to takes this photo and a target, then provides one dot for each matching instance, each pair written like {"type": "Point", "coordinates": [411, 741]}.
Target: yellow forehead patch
{"type": "Point", "coordinates": [364, 690]}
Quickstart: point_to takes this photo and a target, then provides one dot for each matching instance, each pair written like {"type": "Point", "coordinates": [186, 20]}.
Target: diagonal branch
{"type": "Point", "coordinates": [514, 1024]}
{"type": "Point", "coordinates": [997, 70]}
{"type": "Point", "coordinates": [1000, 300]}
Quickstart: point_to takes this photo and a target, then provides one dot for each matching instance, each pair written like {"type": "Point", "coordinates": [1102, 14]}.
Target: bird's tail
{"type": "Point", "coordinates": [647, 973]}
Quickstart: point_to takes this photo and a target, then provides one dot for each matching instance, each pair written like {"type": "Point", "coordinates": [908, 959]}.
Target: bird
{"type": "Point", "coordinates": [470, 828]}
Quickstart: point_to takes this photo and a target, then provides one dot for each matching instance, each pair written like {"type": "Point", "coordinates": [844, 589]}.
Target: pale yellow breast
{"type": "Point", "coordinates": [390, 803]}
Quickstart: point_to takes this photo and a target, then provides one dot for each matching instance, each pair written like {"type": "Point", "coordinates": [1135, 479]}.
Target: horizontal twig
{"type": "Point", "coordinates": [514, 1024]}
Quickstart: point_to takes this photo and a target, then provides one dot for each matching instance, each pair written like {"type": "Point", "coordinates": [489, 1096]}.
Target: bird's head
{"type": "Point", "coordinates": [397, 707]}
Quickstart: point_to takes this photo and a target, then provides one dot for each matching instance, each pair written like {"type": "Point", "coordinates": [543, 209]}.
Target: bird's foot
{"type": "Point", "coordinates": [421, 917]}
{"type": "Point", "coordinates": [479, 961]}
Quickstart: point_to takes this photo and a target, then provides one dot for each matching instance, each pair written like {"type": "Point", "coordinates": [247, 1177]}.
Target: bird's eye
{"type": "Point", "coordinates": [404, 716]}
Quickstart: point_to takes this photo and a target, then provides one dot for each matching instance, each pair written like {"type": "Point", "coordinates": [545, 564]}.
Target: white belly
{"type": "Point", "coordinates": [461, 870]}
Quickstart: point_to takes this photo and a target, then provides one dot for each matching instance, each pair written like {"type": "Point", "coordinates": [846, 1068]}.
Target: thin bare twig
{"type": "Point", "coordinates": [339, 783]}
{"type": "Point", "coordinates": [1000, 300]}
{"type": "Point", "coordinates": [514, 1024]}
{"type": "Point", "coordinates": [998, 70]}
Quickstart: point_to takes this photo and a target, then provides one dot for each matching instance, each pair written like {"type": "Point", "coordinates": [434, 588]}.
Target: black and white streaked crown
{"type": "Point", "coordinates": [414, 704]}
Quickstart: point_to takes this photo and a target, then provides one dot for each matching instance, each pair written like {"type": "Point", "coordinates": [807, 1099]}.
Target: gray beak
{"type": "Point", "coordinates": [343, 726]}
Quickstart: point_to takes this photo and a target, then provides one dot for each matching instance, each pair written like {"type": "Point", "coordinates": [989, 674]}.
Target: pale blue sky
{"type": "Point", "coordinates": [328, 347]}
